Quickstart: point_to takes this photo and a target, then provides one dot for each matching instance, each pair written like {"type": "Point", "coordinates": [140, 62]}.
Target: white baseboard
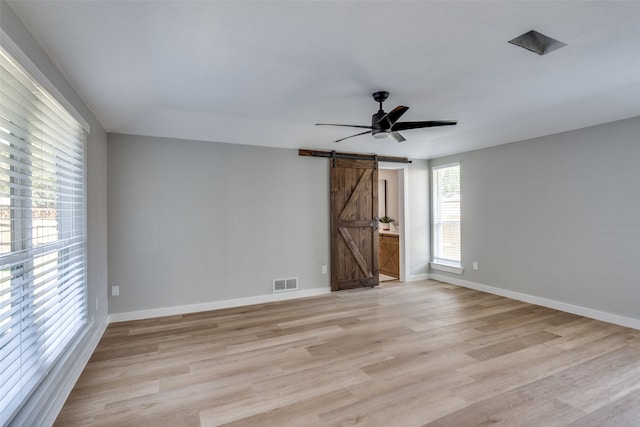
{"type": "Point", "coordinates": [215, 305]}
{"type": "Point", "coordinates": [591, 313]}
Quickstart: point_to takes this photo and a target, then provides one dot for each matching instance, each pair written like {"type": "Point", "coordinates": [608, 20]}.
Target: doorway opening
{"type": "Point", "coordinates": [391, 198]}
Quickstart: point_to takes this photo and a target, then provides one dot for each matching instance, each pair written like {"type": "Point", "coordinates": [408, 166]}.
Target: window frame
{"type": "Point", "coordinates": [439, 262]}
{"type": "Point", "coordinates": [49, 269]}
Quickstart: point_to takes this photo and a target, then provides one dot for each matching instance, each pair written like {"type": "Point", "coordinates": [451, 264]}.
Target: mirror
{"type": "Point", "coordinates": [382, 198]}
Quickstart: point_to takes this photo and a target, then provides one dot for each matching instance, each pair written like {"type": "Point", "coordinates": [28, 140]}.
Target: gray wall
{"type": "Point", "coordinates": [196, 222]}
{"type": "Point", "coordinates": [193, 222]}
{"type": "Point", "coordinates": [557, 217]}
{"type": "Point", "coordinates": [39, 408]}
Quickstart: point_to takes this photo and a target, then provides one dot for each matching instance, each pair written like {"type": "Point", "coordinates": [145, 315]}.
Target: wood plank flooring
{"type": "Point", "coordinates": [419, 354]}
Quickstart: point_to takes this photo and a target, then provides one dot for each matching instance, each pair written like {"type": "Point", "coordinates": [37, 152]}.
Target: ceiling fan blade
{"type": "Point", "coordinates": [392, 116]}
{"type": "Point", "coordinates": [347, 137]}
{"type": "Point", "coordinates": [346, 126]}
{"type": "Point", "coordinates": [397, 136]}
{"type": "Point", "coordinates": [418, 125]}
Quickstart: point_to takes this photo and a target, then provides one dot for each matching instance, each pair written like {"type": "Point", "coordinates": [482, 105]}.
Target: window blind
{"type": "Point", "coordinates": [42, 233]}
{"type": "Point", "coordinates": [445, 195]}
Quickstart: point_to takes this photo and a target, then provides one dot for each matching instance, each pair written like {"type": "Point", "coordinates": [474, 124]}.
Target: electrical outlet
{"type": "Point", "coordinates": [324, 269]}
{"type": "Point", "coordinates": [475, 265]}
{"type": "Point", "coordinates": [115, 291]}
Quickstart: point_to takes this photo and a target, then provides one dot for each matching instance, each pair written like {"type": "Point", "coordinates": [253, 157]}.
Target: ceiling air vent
{"type": "Point", "coordinates": [537, 42]}
{"type": "Point", "coordinates": [288, 284]}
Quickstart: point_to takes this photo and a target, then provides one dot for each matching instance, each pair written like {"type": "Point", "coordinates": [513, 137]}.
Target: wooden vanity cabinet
{"type": "Point", "coordinates": [389, 254]}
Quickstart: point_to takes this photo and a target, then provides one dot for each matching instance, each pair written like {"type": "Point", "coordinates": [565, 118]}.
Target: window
{"type": "Point", "coordinates": [446, 215]}
{"type": "Point", "coordinates": [42, 234]}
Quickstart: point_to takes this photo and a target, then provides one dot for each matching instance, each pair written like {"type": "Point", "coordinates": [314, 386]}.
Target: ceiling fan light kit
{"type": "Point", "coordinates": [386, 125]}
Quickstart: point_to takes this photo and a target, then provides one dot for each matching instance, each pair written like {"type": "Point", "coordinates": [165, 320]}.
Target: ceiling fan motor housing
{"type": "Point", "coordinates": [378, 129]}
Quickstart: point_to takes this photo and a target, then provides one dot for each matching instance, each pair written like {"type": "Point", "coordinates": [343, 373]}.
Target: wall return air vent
{"type": "Point", "coordinates": [287, 284]}
{"type": "Point", "coordinates": [537, 42]}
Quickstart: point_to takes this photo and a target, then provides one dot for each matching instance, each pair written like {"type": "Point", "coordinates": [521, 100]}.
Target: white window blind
{"type": "Point", "coordinates": [42, 234]}
{"type": "Point", "coordinates": [446, 215]}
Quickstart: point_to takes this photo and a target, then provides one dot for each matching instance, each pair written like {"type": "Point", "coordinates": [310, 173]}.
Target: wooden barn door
{"type": "Point", "coordinates": [354, 223]}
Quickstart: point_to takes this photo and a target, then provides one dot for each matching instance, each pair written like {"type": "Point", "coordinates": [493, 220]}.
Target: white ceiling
{"type": "Point", "coordinates": [264, 72]}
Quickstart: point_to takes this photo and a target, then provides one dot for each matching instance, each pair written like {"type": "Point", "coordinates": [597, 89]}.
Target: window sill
{"type": "Point", "coordinates": [448, 268]}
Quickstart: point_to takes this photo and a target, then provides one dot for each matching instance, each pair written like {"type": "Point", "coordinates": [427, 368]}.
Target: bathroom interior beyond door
{"type": "Point", "coordinates": [388, 205]}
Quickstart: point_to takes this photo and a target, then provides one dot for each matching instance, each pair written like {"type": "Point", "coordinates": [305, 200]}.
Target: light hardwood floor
{"type": "Point", "coordinates": [424, 353]}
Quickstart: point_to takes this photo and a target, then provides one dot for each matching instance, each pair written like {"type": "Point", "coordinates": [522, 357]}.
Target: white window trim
{"type": "Point", "coordinates": [13, 49]}
{"type": "Point", "coordinates": [446, 165]}
{"type": "Point", "coordinates": [446, 268]}
{"type": "Point", "coordinates": [453, 267]}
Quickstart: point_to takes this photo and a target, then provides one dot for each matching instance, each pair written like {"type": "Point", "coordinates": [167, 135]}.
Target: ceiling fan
{"type": "Point", "coordinates": [385, 125]}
